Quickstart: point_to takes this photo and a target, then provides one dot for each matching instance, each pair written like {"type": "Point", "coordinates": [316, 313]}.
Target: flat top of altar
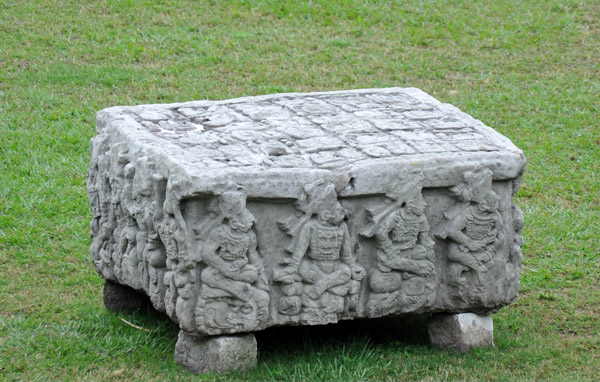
{"type": "Point", "coordinates": [341, 132]}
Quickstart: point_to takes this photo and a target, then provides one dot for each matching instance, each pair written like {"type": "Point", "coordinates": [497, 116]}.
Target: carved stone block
{"type": "Point", "coordinates": [216, 354]}
{"type": "Point", "coordinates": [288, 209]}
{"type": "Point", "coordinates": [460, 332]}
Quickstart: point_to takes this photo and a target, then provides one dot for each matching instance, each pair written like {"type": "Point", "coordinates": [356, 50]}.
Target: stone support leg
{"type": "Point", "coordinates": [123, 299]}
{"type": "Point", "coordinates": [461, 332]}
{"type": "Point", "coordinates": [216, 354]}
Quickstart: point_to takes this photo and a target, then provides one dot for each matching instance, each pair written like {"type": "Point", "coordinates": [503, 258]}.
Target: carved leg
{"type": "Point", "coordinates": [123, 299]}
{"type": "Point", "coordinates": [216, 354]}
{"type": "Point", "coordinates": [460, 332]}
{"type": "Point", "coordinates": [381, 304]}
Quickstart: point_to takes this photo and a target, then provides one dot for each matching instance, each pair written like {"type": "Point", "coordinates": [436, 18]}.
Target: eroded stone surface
{"type": "Point", "coordinates": [237, 215]}
{"type": "Point", "coordinates": [216, 354]}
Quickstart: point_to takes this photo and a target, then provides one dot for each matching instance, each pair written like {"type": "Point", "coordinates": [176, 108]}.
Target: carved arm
{"type": "Point", "coordinates": [289, 273]}
{"type": "Point", "coordinates": [358, 272]}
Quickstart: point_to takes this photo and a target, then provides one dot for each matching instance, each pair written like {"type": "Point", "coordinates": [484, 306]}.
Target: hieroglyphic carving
{"type": "Point", "coordinates": [404, 277]}
{"type": "Point", "coordinates": [127, 249]}
{"type": "Point", "coordinates": [141, 210]}
{"type": "Point", "coordinates": [475, 231]}
{"type": "Point", "coordinates": [155, 255]}
{"type": "Point", "coordinates": [180, 278]}
{"type": "Point", "coordinates": [320, 281]}
{"type": "Point", "coordinates": [128, 269]}
{"type": "Point", "coordinates": [102, 226]}
{"type": "Point", "coordinates": [234, 292]}
{"type": "Point", "coordinates": [117, 214]}
{"type": "Point", "coordinates": [171, 235]}
{"type": "Point", "coordinates": [126, 198]}
{"type": "Point", "coordinates": [515, 253]}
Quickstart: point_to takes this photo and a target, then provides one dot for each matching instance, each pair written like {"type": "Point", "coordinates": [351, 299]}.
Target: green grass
{"type": "Point", "coordinates": [529, 69]}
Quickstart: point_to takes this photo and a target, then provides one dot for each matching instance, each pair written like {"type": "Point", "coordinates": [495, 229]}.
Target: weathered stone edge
{"type": "Point", "coordinates": [360, 178]}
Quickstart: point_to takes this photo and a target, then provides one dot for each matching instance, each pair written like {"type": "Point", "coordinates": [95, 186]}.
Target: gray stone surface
{"type": "Point", "coordinates": [461, 332]}
{"type": "Point", "coordinates": [287, 209]}
{"type": "Point", "coordinates": [216, 354]}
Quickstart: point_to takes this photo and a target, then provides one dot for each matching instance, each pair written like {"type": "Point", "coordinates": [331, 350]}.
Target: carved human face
{"type": "Point", "coordinates": [333, 214]}
{"type": "Point", "coordinates": [230, 313]}
{"type": "Point", "coordinates": [416, 206]}
{"type": "Point", "coordinates": [240, 314]}
{"type": "Point", "coordinates": [489, 203]}
{"type": "Point", "coordinates": [242, 221]}
{"type": "Point", "coordinates": [461, 192]}
{"type": "Point", "coordinates": [233, 249]}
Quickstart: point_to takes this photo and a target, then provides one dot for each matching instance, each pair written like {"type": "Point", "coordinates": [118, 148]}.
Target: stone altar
{"type": "Point", "coordinates": [304, 209]}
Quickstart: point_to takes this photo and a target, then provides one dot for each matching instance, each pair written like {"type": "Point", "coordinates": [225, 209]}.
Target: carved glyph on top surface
{"type": "Point", "coordinates": [234, 292]}
{"type": "Point", "coordinates": [232, 133]}
{"type": "Point", "coordinates": [321, 279]}
{"type": "Point", "coordinates": [403, 278]}
{"type": "Point", "coordinates": [475, 232]}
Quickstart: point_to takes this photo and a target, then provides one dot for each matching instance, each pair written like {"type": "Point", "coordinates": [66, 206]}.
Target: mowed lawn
{"type": "Point", "coordinates": [529, 69]}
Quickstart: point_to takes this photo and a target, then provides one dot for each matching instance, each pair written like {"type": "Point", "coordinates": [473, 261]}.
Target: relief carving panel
{"type": "Point", "coordinates": [321, 277]}
{"type": "Point", "coordinates": [474, 230]}
{"type": "Point", "coordinates": [234, 296]}
{"type": "Point", "coordinates": [404, 277]}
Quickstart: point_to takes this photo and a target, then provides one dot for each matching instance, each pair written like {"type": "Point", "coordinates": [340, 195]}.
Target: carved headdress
{"type": "Point", "coordinates": [317, 197]}
{"type": "Point", "coordinates": [476, 185]}
{"type": "Point", "coordinates": [230, 205]}
{"type": "Point", "coordinates": [407, 187]}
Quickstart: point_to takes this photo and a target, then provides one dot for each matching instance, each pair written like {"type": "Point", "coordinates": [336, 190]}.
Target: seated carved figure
{"type": "Point", "coordinates": [404, 276]}
{"type": "Point", "coordinates": [473, 236]}
{"type": "Point", "coordinates": [475, 232]}
{"type": "Point", "coordinates": [328, 280]}
{"type": "Point", "coordinates": [322, 270]}
{"type": "Point", "coordinates": [234, 293]}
